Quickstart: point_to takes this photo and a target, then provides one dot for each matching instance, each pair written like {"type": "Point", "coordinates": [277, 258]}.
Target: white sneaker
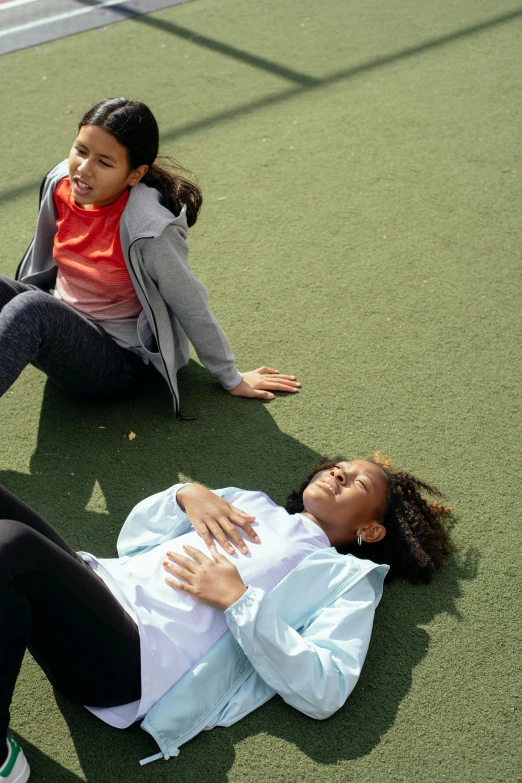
{"type": "Point", "coordinates": [15, 768]}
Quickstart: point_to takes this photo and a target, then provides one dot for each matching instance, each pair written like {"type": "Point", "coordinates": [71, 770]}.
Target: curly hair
{"type": "Point", "coordinates": [417, 540]}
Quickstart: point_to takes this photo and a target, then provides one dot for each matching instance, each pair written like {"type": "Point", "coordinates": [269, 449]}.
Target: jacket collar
{"type": "Point", "coordinates": [144, 215]}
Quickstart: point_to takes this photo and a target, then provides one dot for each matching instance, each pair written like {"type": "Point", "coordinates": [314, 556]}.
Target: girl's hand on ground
{"type": "Point", "coordinates": [215, 582]}
{"type": "Point", "coordinates": [261, 382]}
{"type": "Point", "coordinates": [215, 519]}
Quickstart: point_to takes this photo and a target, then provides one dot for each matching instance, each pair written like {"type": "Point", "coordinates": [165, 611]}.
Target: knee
{"type": "Point", "coordinates": [27, 307]}
{"type": "Point", "coordinates": [5, 283]}
{"type": "Point", "coordinates": [15, 540]}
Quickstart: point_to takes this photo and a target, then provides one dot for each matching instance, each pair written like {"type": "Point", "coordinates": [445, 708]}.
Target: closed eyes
{"type": "Point", "coordinates": [356, 481]}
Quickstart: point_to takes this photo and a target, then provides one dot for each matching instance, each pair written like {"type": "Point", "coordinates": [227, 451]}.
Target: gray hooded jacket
{"type": "Point", "coordinates": [175, 303]}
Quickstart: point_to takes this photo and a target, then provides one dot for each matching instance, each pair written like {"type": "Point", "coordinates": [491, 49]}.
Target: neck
{"type": "Point", "coordinates": [316, 522]}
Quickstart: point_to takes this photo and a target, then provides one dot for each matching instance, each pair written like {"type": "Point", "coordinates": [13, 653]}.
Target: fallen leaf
{"type": "Point", "coordinates": [70, 111]}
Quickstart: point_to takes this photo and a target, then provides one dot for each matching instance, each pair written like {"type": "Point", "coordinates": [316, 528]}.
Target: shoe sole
{"type": "Point", "coordinates": [25, 772]}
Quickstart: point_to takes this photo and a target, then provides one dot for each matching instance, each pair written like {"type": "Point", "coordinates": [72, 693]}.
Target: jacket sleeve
{"type": "Point", "coordinates": [38, 266]}
{"type": "Point", "coordinates": [315, 670]}
{"type": "Point", "coordinates": [166, 259]}
{"type": "Point", "coordinates": [154, 521]}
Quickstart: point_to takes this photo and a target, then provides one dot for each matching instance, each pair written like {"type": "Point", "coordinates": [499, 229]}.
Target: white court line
{"type": "Point", "coordinates": [14, 3]}
{"type": "Point", "coordinates": [61, 17]}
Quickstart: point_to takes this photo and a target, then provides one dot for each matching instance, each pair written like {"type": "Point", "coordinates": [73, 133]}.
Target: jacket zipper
{"type": "Point", "coordinates": [167, 375]}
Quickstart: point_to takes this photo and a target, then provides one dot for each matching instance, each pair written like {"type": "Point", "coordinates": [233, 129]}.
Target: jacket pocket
{"type": "Point", "coordinates": [146, 336]}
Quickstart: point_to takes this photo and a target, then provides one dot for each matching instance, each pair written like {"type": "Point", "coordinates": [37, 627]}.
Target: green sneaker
{"type": "Point", "coordinates": [15, 768]}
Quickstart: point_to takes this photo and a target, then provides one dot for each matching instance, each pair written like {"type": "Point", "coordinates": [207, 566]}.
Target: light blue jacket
{"type": "Point", "coordinates": [306, 639]}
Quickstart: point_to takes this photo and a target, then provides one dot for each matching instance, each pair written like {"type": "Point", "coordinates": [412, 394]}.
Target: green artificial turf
{"type": "Point", "coordinates": [361, 165]}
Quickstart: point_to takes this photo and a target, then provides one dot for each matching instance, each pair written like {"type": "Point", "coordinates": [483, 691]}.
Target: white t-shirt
{"type": "Point", "coordinates": [175, 629]}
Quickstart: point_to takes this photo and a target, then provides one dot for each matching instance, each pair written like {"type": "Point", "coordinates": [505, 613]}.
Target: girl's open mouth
{"type": "Point", "coordinates": [82, 186]}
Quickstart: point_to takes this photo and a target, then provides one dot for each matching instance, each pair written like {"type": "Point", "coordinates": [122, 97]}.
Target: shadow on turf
{"type": "Point", "coordinates": [47, 770]}
{"type": "Point", "coordinates": [236, 442]}
{"type": "Point", "coordinates": [86, 475]}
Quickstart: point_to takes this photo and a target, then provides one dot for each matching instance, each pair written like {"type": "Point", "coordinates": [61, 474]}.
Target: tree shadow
{"type": "Point", "coordinates": [84, 457]}
{"type": "Point", "coordinates": [43, 767]}
{"type": "Point", "coordinates": [86, 475]}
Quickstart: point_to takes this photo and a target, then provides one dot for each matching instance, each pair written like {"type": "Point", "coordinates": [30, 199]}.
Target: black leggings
{"type": "Point", "coordinates": [53, 604]}
{"type": "Point", "coordinates": [77, 354]}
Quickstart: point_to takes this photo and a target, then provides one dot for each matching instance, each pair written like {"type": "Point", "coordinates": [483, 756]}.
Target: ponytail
{"type": "Point", "coordinates": [176, 189]}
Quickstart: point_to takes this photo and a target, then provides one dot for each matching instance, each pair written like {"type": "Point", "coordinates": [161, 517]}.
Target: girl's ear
{"type": "Point", "coordinates": [373, 533]}
{"type": "Point", "coordinates": [137, 174]}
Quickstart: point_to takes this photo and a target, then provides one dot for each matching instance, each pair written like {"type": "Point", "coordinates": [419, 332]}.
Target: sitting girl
{"type": "Point", "coordinates": [282, 603]}
{"type": "Point", "coordinates": [111, 247]}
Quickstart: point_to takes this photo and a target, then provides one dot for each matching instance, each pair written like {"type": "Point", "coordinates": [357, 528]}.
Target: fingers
{"type": "Point", "coordinates": [177, 585]}
{"type": "Point", "coordinates": [237, 539]}
{"type": "Point", "coordinates": [243, 514]}
{"type": "Point", "coordinates": [261, 395]}
{"type": "Point", "coordinates": [244, 523]}
{"type": "Point", "coordinates": [179, 573]}
{"type": "Point", "coordinates": [260, 381]}
{"type": "Point", "coordinates": [205, 534]}
{"type": "Point", "coordinates": [199, 556]}
{"type": "Point", "coordinates": [271, 371]}
{"type": "Point", "coordinates": [219, 558]}
{"type": "Point", "coordinates": [277, 384]}
{"type": "Point", "coordinates": [189, 563]}
{"type": "Point", "coordinates": [223, 530]}
{"type": "Point", "coordinates": [185, 568]}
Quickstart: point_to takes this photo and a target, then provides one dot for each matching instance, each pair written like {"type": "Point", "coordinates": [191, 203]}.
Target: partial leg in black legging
{"type": "Point", "coordinates": [77, 354]}
{"type": "Point", "coordinates": [52, 603]}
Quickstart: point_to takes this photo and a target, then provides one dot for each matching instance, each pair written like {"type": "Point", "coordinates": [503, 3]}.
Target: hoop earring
{"type": "Point", "coordinates": [359, 540]}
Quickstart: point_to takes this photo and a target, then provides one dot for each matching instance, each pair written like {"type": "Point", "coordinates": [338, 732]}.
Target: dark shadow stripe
{"type": "Point", "coordinates": [21, 190]}
{"type": "Point", "coordinates": [345, 74]}
{"type": "Point", "coordinates": [229, 51]}
{"type": "Point", "coordinates": [211, 43]}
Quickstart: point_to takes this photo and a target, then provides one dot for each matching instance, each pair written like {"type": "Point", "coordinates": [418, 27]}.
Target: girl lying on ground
{"type": "Point", "coordinates": [290, 612]}
{"type": "Point", "coordinates": [111, 249]}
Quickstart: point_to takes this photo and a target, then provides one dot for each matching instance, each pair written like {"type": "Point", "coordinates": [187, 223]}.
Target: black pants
{"type": "Point", "coordinates": [78, 355]}
{"type": "Point", "coordinates": [52, 603]}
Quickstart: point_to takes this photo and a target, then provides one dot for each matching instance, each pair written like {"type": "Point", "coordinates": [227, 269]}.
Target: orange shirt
{"type": "Point", "coordinates": [92, 273]}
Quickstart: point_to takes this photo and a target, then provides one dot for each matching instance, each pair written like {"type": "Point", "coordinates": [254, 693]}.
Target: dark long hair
{"type": "Point", "coordinates": [134, 127]}
{"type": "Point", "coordinates": [417, 540]}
